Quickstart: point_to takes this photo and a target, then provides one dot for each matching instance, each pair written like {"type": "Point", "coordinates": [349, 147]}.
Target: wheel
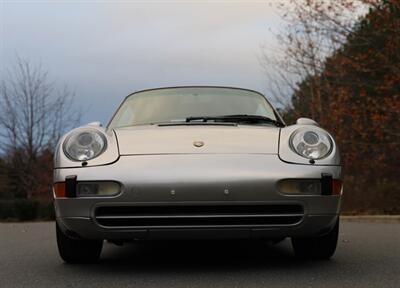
{"type": "Point", "coordinates": [318, 247]}
{"type": "Point", "coordinates": [77, 250]}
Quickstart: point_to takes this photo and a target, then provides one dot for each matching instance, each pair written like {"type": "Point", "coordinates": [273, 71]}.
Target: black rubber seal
{"type": "Point", "coordinates": [70, 186]}
{"type": "Point", "coordinates": [326, 184]}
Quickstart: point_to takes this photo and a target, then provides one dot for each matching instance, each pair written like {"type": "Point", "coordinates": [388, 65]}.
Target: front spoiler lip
{"type": "Point", "coordinates": [309, 226]}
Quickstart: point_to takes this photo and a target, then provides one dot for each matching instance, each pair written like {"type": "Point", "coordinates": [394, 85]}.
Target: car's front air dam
{"type": "Point", "coordinates": [206, 179]}
{"type": "Point", "coordinates": [86, 228]}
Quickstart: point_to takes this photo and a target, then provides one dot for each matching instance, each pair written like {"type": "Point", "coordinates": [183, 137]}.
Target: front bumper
{"type": "Point", "coordinates": [196, 180]}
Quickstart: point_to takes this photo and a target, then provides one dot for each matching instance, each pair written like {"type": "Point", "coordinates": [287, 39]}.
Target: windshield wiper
{"type": "Point", "coordinates": [240, 118]}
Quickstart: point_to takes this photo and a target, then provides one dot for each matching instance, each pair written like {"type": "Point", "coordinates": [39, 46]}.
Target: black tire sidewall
{"type": "Point", "coordinates": [77, 250]}
{"type": "Point", "coordinates": [319, 247]}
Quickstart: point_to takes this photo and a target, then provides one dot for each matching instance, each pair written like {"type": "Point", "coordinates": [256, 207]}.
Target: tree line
{"type": "Point", "coordinates": [341, 59]}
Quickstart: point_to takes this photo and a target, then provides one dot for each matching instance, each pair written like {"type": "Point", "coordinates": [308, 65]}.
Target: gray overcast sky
{"type": "Point", "coordinates": [104, 50]}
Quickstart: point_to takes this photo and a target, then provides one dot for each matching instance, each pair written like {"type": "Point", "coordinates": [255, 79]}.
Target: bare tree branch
{"type": "Point", "coordinates": [33, 115]}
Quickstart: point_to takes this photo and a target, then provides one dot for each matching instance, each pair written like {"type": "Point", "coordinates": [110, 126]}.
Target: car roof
{"type": "Point", "coordinates": [195, 86]}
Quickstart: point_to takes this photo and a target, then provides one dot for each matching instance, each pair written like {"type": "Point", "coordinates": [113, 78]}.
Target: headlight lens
{"type": "Point", "coordinates": [85, 145]}
{"type": "Point", "coordinates": [311, 143]}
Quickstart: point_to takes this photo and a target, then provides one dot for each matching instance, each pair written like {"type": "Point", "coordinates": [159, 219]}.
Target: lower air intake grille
{"type": "Point", "coordinates": [198, 216]}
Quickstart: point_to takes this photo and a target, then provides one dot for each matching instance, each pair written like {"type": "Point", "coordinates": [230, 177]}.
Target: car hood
{"type": "Point", "coordinates": [154, 139]}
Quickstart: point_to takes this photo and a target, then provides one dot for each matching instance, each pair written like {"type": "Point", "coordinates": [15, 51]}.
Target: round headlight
{"type": "Point", "coordinates": [84, 145]}
{"type": "Point", "coordinates": [311, 143]}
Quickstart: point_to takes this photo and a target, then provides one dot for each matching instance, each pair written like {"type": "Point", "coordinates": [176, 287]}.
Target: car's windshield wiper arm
{"type": "Point", "coordinates": [243, 118]}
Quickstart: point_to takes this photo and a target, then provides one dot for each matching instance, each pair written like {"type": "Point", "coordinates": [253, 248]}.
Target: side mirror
{"type": "Point", "coordinates": [306, 121]}
{"type": "Point", "coordinates": [95, 124]}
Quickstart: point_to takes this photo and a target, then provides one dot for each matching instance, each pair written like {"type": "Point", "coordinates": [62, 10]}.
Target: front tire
{"type": "Point", "coordinates": [77, 250]}
{"type": "Point", "coordinates": [318, 247]}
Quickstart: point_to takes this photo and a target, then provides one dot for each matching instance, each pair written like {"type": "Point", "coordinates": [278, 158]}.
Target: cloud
{"type": "Point", "coordinates": [105, 50]}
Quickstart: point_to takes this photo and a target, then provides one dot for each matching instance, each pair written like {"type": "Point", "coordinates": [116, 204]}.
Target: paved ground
{"type": "Point", "coordinates": [368, 256]}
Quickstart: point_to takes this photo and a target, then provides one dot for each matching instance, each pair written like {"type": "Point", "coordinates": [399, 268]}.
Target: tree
{"type": "Point", "coordinates": [3, 179]}
{"type": "Point", "coordinates": [33, 116]}
{"type": "Point", "coordinates": [346, 66]}
{"type": "Point", "coordinates": [313, 31]}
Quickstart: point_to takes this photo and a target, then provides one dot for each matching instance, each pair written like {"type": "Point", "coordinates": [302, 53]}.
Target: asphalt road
{"type": "Point", "coordinates": [368, 256]}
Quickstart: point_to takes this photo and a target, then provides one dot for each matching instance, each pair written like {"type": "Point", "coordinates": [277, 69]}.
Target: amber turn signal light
{"type": "Point", "coordinates": [59, 190]}
{"type": "Point", "coordinates": [337, 186]}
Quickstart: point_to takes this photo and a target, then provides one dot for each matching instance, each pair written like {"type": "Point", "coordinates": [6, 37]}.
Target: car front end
{"type": "Point", "coordinates": [197, 180]}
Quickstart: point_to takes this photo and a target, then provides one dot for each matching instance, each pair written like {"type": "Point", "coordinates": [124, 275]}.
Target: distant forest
{"type": "Point", "coordinates": [354, 93]}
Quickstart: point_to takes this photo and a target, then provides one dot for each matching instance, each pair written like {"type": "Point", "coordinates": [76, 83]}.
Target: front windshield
{"type": "Point", "coordinates": [176, 104]}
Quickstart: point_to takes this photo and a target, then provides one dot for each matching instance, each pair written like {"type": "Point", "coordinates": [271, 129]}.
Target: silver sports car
{"type": "Point", "coordinates": [197, 163]}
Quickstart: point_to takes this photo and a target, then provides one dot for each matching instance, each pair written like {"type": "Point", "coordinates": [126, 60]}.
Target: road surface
{"type": "Point", "coordinates": [368, 256]}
